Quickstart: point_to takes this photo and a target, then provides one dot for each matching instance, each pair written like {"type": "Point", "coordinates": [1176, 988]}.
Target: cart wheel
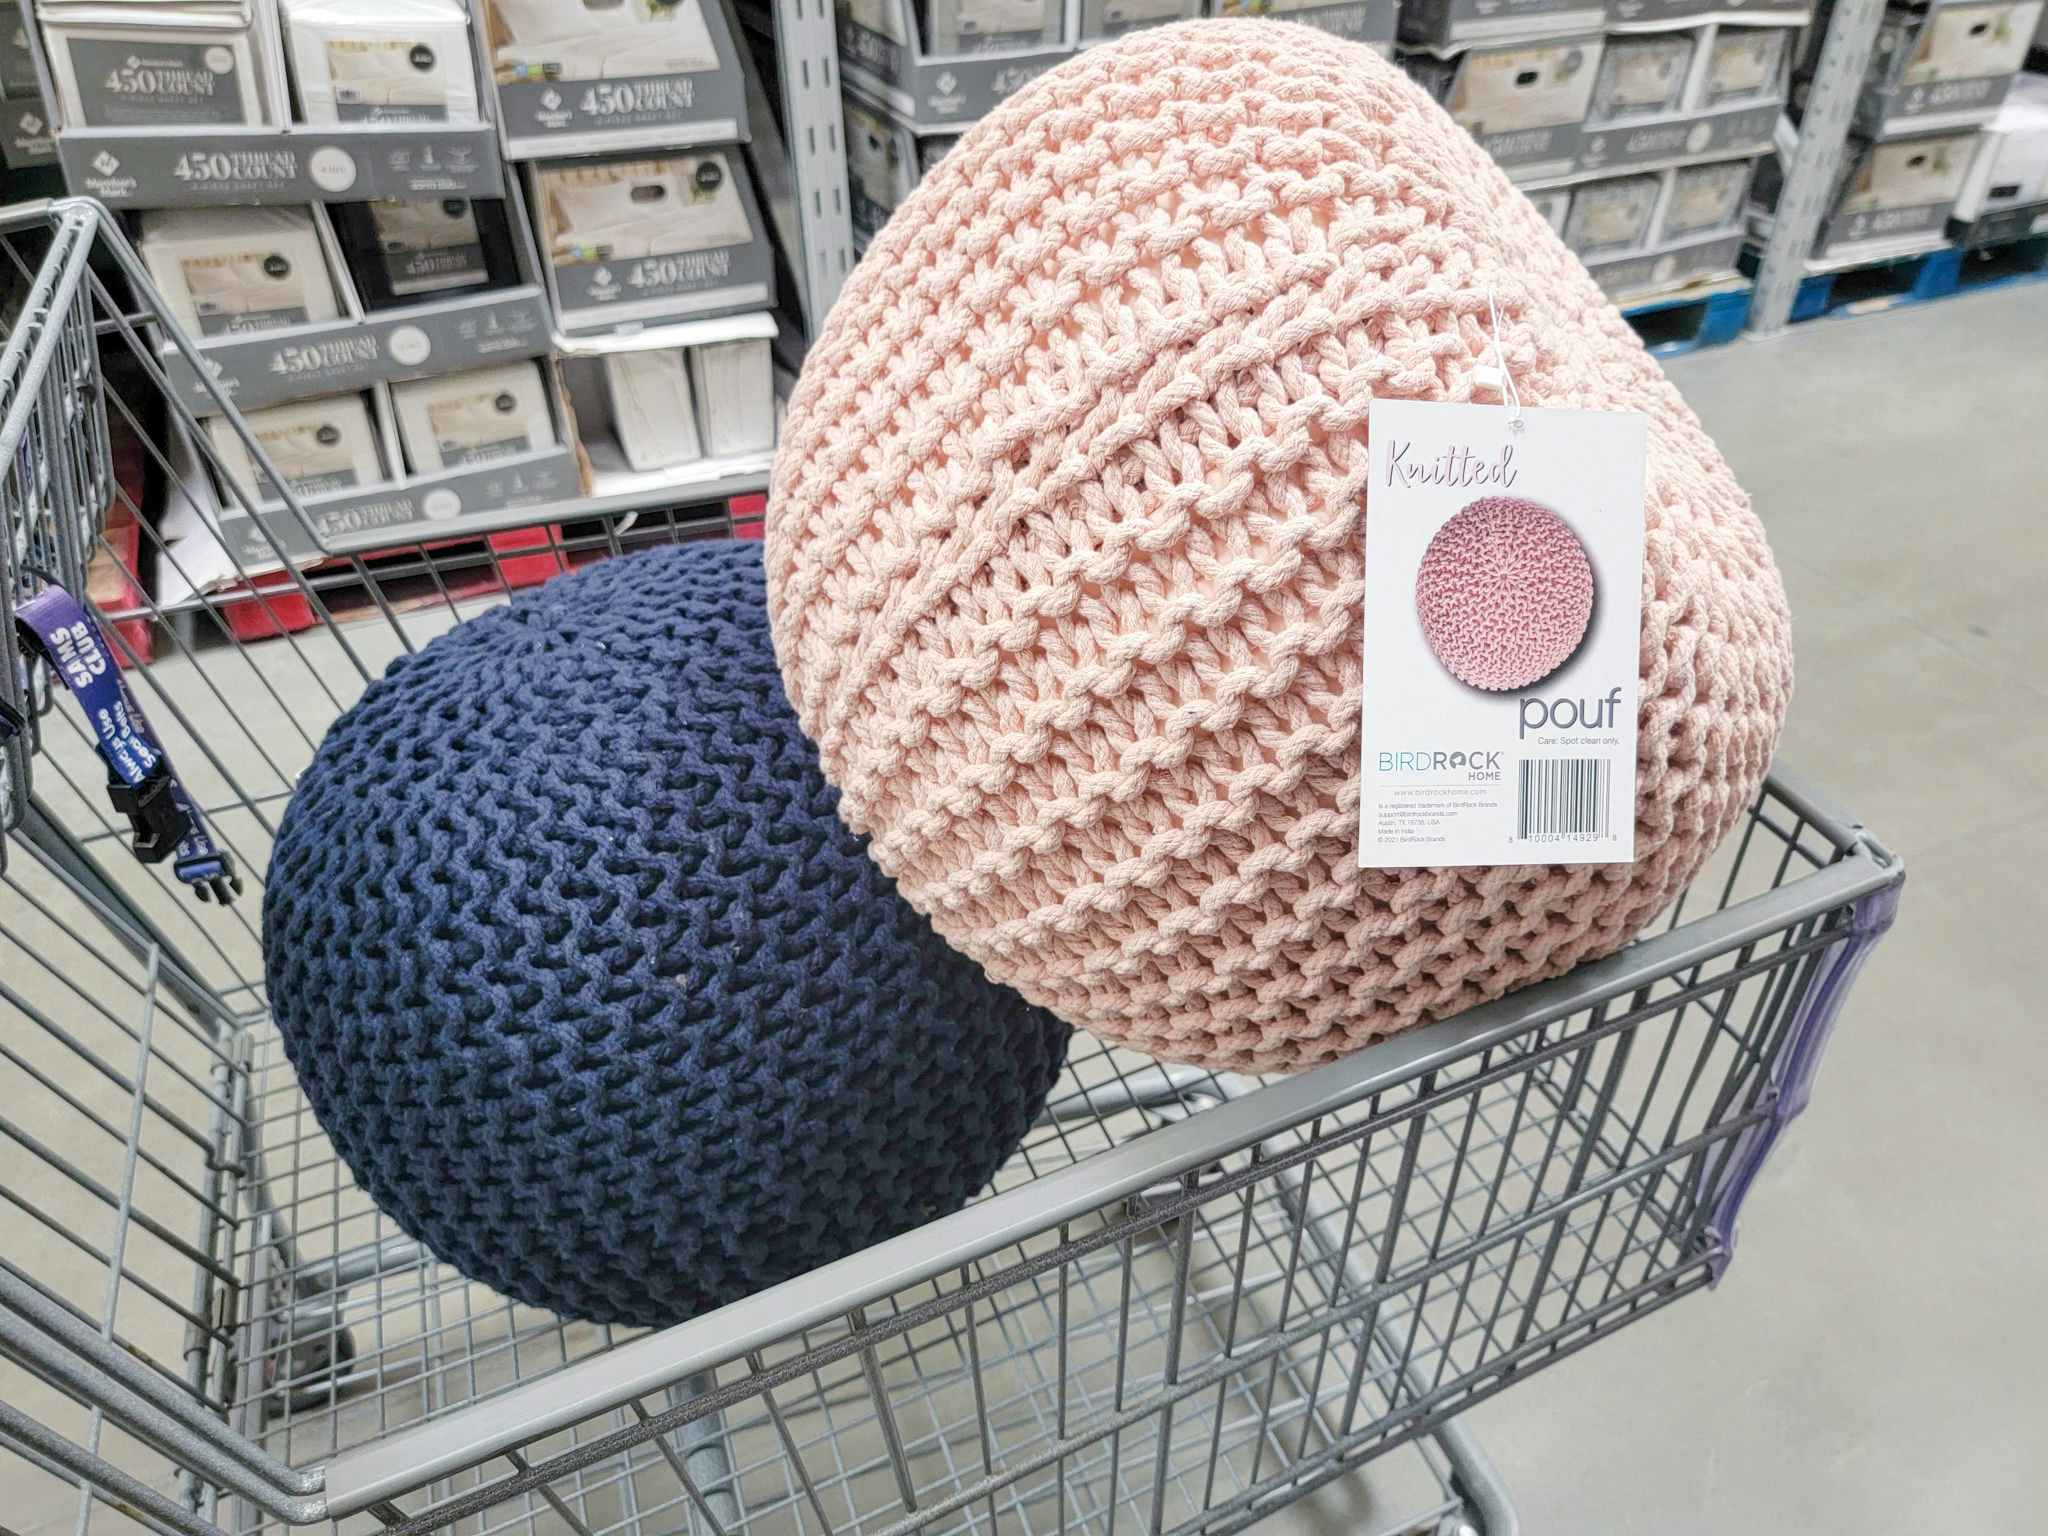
{"type": "Point", "coordinates": [313, 1371]}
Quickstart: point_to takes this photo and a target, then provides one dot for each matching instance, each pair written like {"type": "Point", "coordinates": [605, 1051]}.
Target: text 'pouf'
{"type": "Point", "coordinates": [1066, 547]}
{"type": "Point", "coordinates": [588, 983]}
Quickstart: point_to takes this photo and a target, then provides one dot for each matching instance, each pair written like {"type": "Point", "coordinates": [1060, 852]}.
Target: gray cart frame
{"type": "Point", "coordinates": [1190, 1300]}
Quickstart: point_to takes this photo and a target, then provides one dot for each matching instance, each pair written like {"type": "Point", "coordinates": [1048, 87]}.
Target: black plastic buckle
{"type": "Point", "coordinates": [153, 811]}
{"type": "Point", "coordinates": [212, 877]}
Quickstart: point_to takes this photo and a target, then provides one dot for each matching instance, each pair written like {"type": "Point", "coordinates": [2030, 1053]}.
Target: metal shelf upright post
{"type": "Point", "coordinates": [1815, 163]}
{"type": "Point", "coordinates": [814, 143]}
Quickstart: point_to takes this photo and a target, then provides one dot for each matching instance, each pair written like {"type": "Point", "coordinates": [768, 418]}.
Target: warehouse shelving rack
{"type": "Point", "coordinates": [800, 162]}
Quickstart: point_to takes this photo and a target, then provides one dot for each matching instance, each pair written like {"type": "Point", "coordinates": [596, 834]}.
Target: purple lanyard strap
{"type": "Point", "coordinates": [140, 780]}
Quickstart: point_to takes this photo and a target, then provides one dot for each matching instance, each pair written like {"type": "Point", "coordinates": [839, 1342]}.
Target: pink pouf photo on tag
{"type": "Point", "coordinates": [1504, 593]}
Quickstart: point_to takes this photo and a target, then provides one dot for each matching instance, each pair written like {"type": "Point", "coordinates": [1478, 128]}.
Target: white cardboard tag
{"type": "Point", "coordinates": [1503, 616]}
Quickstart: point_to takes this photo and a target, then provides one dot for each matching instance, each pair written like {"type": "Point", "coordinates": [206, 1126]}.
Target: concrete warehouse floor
{"type": "Point", "coordinates": [1871, 1364]}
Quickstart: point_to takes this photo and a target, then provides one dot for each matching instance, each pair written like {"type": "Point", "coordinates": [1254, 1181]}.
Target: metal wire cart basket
{"type": "Point", "coordinates": [1187, 1302]}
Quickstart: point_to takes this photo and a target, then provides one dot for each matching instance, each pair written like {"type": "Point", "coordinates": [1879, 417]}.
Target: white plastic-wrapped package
{"type": "Point", "coordinates": [381, 61]}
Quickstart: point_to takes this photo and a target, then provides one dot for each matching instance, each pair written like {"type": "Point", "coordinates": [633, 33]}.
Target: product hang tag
{"type": "Point", "coordinates": [1503, 616]}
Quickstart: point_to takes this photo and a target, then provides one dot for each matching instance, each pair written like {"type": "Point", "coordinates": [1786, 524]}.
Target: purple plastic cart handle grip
{"type": "Point", "coordinates": [1798, 1065]}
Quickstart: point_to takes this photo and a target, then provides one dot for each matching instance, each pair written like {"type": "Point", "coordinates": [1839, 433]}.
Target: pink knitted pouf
{"type": "Point", "coordinates": [1065, 548]}
{"type": "Point", "coordinates": [1504, 593]}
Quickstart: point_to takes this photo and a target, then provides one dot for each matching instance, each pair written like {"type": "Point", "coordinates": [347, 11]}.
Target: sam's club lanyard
{"type": "Point", "coordinates": [140, 780]}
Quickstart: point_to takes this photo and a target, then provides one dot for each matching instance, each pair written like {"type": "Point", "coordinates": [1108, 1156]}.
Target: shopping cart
{"type": "Point", "coordinates": [1188, 1301]}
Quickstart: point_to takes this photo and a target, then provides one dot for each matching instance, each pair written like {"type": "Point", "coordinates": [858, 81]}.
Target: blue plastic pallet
{"type": "Point", "coordinates": [1681, 323]}
{"type": "Point", "coordinates": [1902, 280]}
{"type": "Point", "coordinates": [1880, 286]}
{"type": "Point", "coordinates": [2000, 266]}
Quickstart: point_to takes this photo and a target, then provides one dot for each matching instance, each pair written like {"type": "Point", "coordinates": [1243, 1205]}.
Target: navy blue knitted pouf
{"type": "Point", "coordinates": [589, 985]}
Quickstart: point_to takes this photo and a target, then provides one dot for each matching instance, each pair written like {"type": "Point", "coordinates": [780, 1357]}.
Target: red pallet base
{"type": "Point", "coordinates": [112, 586]}
{"type": "Point", "coordinates": [273, 604]}
{"type": "Point", "coordinates": [113, 574]}
{"type": "Point", "coordinates": [749, 516]}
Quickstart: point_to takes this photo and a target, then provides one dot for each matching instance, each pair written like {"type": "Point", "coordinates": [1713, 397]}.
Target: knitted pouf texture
{"type": "Point", "coordinates": [589, 985]}
{"type": "Point", "coordinates": [1504, 593]}
{"type": "Point", "coordinates": [1066, 547]}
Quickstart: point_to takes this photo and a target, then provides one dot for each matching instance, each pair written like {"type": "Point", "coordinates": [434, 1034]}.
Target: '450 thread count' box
{"type": "Point", "coordinates": [396, 61]}
{"type": "Point", "coordinates": [670, 237]}
{"type": "Point", "coordinates": [165, 63]}
{"type": "Point", "coordinates": [318, 446]}
{"type": "Point", "coordinates": [586, 76]}
{"type": "Point", "coordinates": [456, 420]}
{"type": "Point", "coordinates": [233, 271]}
{"type": "Point", "coordinates": [944, 63]}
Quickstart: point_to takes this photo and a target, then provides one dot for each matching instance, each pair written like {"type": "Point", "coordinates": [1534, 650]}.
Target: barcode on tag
{"type": "Point", "coordinates": [1563, 799]}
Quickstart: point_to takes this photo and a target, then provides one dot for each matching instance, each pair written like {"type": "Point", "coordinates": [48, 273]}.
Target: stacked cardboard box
{"type": "Point", "coordinates": [402, 237]}
{"type": "Point", "coordinates": [2005, 195]}
{"type": "Point", "coordinates": [1648, 232]}
{"type": "Point", "coordinates": [918, 73]}
{"type": "Point", "coordinates": [1938, 74]}
{"type": "Point", "coordinates": [1561, 94]}
{"type": "Point", "coordinates": [316, 192]}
